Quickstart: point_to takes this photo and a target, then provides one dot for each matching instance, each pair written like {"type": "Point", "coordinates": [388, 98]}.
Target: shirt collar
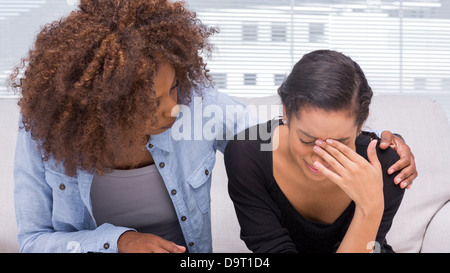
{"type": "Point", "coordinates": [162, 141]}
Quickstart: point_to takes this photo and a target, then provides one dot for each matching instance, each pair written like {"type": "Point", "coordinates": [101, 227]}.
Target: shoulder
{"type": "Point", "coordinates": [249, 155]}
{"type": "Point", "coordinates": [253, 140]}
{"type": "Point", "coordinates": [386, 157]}
{"type": "Point", "coordinates": [210, 96]}
{"type": "Point", "coordinates": [393, 194]}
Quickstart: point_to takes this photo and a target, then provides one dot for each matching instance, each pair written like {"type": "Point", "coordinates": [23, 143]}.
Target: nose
{"type": "Point", "coordinates": [172, 109]}
{"type": "Point", "coordinates": [175, 111]}
{"type": "Point", "coordinates": [315, 157]}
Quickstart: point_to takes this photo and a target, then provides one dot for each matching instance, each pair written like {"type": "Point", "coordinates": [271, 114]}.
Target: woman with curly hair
{"type": "Point", "coordinates": [96, 166]}
{"type": "Point", "coordinates": [97, 85]}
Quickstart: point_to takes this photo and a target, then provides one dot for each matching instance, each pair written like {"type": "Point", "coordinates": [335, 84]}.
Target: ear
{"type": "Point", "coordinates": [284, 113]}
{"type": "Point", "coordinates": [358, 132]}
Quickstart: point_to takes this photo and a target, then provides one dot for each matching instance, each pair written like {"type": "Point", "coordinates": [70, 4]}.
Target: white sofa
{"type": "Point", "coordinates": [422, 223]}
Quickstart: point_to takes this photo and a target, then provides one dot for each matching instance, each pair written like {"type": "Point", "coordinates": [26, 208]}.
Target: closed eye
{"type": "Point", "coordinates": [175, 85]}
{"type": "Point", "coordinates": [307, 142]}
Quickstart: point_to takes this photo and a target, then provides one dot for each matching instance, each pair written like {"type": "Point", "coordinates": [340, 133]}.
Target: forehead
{"type": "Point", "coordinates": [324, 124]}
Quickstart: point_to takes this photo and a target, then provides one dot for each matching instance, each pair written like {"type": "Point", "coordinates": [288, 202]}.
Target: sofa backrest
{"type": "Point", "coordinates": [420, 120]}
{"type": "Point", "coordinates": [9, 114]}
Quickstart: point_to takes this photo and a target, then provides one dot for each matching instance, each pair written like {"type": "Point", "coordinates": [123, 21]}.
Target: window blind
{"type": "Point", "coordinates": [20, 22]}
{"type": "Point", "coordinates": [403, 46]}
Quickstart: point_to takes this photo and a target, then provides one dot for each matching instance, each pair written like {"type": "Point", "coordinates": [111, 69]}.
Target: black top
{"type": "Point", "coordinates": [269, 223]}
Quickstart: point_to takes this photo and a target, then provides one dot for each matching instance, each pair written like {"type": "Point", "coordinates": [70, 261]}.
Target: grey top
{"type": "Point", "coordinates": [136, 199]}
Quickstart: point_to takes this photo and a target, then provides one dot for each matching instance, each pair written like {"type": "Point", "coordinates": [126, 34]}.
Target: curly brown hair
{"type": "Point", "coordinates": [88, 79]}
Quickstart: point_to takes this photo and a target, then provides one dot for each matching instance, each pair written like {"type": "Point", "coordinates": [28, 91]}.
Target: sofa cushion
{"type": "Point", "coordinates": [437, 236]}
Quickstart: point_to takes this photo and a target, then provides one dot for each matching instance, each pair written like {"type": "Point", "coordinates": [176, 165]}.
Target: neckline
{"type": "Point", "coordinates": [127, 173]}
{"type": "Point", "coordinates": [342, 217]}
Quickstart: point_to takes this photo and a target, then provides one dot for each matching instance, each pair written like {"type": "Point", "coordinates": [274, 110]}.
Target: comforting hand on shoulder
{"type": "Point", "coordinates": [406, 163]}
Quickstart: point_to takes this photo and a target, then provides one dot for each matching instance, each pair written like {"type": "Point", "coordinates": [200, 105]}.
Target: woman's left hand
{"type": "Point", "coordinates": [406, 163]}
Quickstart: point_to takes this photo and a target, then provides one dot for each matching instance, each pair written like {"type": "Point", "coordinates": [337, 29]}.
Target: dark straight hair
{"type": "Point", "coordinates": [327, 80]}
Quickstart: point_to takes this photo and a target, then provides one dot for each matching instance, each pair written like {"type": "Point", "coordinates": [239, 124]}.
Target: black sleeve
{"type": "Point", "coordinates": [393, 196]}
{"type": "Point", "coordinates": [248, 187]}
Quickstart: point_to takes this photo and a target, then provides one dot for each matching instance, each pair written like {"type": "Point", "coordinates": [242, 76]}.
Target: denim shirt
{"type": "Point", "coordinates": [54, 211]}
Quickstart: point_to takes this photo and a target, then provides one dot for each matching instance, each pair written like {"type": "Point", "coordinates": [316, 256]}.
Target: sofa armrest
{"type": "Point", "coordinates": [437, 235]}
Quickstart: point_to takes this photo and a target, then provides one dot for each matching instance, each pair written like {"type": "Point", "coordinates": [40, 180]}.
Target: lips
{"type": "Point", "coordinates": [311, 168]}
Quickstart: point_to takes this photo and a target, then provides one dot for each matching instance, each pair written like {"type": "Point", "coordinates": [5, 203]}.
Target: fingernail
{"type": "Point", "coordinates": [390, 171]}
{"type": "Point", "coordinates": [403, 184]}
{"type": "Point", "coordinates": [398, 180]}
{"type": "Point", "coordinates": [316, 148]}
{"type": "Point", "coordinates": [329, 141]}
{"type": "Point", "coordinates": [316, 164]}
{"type": "Point", "coordinates": [319, 142]}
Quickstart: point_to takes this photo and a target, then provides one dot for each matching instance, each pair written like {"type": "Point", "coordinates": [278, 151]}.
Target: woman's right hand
{"type": "Point", "coordinates": [360, 179]}
{"type": "Point", "coordinates": [135, 242]}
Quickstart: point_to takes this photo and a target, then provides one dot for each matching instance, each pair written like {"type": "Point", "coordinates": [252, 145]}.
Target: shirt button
{"type": "Point", "coordinates": [106, 246]}
{"type": "Point", "coordinates": [191, 244]}
{"type": "Point", "coordinates": [162, 164]}
{"type": "Point", "coordinates": [150, 146]}
{"type": "Point", "coordinates": [173, 192]}
{"type": "Point", "coordinates": [183, 218]}
{"type": "Point", "coordinates": [206, 172]}
{"type": "Point", "coordinates": [62, 187]}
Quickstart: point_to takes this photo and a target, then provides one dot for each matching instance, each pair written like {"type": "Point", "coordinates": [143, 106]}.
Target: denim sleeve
{"type": "Point", "coordinates": [34, 204]}
{"type": "Point", "coordinates": [236, 116]}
